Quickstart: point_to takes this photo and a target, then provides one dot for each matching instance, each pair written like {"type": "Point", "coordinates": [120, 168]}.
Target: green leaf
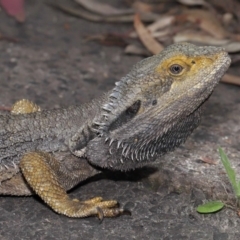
{"type": "Point", "coordinates": [210, 207]}
{"type": "Point", "coordinates": [230, 172]}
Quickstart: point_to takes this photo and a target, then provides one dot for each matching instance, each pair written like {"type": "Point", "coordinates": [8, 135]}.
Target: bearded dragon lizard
{"type": "Point", "coordinates": [148, 113]}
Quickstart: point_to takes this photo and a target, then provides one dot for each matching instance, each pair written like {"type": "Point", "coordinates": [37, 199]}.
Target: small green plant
{"type": "Point", "coordinates": [214, 206]}
{"type": "Point", "coordinates": [231, 175]}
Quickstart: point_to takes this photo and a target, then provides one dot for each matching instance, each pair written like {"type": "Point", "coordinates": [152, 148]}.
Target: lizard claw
{"type": "Point", "coordinates": [97, 206]}
{"type": "Point", "coordinates": [113, 212]}
{"type": "Point", "coordinates": [100, 214]}
{"type": "Point", "coordinates": [109, 208]}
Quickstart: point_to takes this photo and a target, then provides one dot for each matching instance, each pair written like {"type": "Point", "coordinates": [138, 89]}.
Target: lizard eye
{"type": "Point", "coordinates": [175, 69]}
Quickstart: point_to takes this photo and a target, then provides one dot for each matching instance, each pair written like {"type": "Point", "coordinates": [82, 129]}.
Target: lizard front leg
{"type": "Point", "coordinates": [50, 179]}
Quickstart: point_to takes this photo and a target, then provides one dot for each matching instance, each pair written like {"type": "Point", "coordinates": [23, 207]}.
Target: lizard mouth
{"type": "Point", "coordinates": [126, 116]}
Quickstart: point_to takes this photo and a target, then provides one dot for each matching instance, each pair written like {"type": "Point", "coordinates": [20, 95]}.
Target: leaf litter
{"type": "Point", "coordinates": [154, 23]}
{"type": "Point", "coordinates": [14, 8]}
{"type": "Point", "coordinates": [157, 24]}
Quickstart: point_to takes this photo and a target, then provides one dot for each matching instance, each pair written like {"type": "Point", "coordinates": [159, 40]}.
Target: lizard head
{"type": "Point", "coordinates": [156, 106]}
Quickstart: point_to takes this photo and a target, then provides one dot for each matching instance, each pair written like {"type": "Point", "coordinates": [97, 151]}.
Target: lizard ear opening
{"type": "Point", "coordinates": [126, 116]}
{"type": "Point", "coordinates": [134, 108]}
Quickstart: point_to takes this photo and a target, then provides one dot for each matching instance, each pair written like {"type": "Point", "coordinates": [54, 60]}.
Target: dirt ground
{"type": "Point", "coordinates": [54, 66]}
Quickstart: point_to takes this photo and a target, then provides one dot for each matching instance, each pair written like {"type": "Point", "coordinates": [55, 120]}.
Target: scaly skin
{"type": "Point", "coordinates": [150, 112]}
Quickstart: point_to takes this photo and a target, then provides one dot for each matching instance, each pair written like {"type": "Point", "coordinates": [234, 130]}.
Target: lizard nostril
{"type": "Point", "coordinates": [154, 102]}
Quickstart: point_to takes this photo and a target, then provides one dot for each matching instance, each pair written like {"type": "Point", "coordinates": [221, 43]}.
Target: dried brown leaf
{"type": "Point", "coordinates": [82, 13]}
{"type": "Point", "coordinates": [161, 23]}
{"type": "Point", "coordinates": [9, 39]}
{"type": "Point", "coordinates": [136, 50]}
{"type": "Point", "coordinates": [193, 2]}
{"type": "Point", "coordinates": [14, 8]}
{"type": "Point", "coordinates": [8, 109]}
{"type": "Point", "coordinates": [103, 8]}
{"type": "Point", "coordinates": [206, 20]}
{"type": "Point", "coordinates": [201, 37]}
{"type": "Point", "coordinates": [108, 39]}
{"type": "Point", "coordinates": [165, 33]}
{"type": "Point", "coordinates": [232, 79]}
{"type": "Point", "coordinates": [227, 18]}
{"type": "Point", "coordinates": [232, 47]}
{"type": "Point", "coordinates": [231, 6]}
{"type": "Point", "coordinates": [148, 7]}
{"type": "Point", "coordinates": [208, 160]}
{"type": "Point", "coordinates": [198, 37]}
{"type": "Point", "coordinates": [142, 7]}
{"type": "Point", "coordinates": [148, 41]}
{"type": "Point", "coordinates": [235, 58]}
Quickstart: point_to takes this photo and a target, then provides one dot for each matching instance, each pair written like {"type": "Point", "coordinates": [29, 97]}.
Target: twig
{"type": "Point", "coordinates": [149, 42]}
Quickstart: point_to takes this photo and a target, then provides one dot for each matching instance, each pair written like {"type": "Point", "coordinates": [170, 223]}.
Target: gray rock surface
{"type": "Point", "coordinates": [54, 66]}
